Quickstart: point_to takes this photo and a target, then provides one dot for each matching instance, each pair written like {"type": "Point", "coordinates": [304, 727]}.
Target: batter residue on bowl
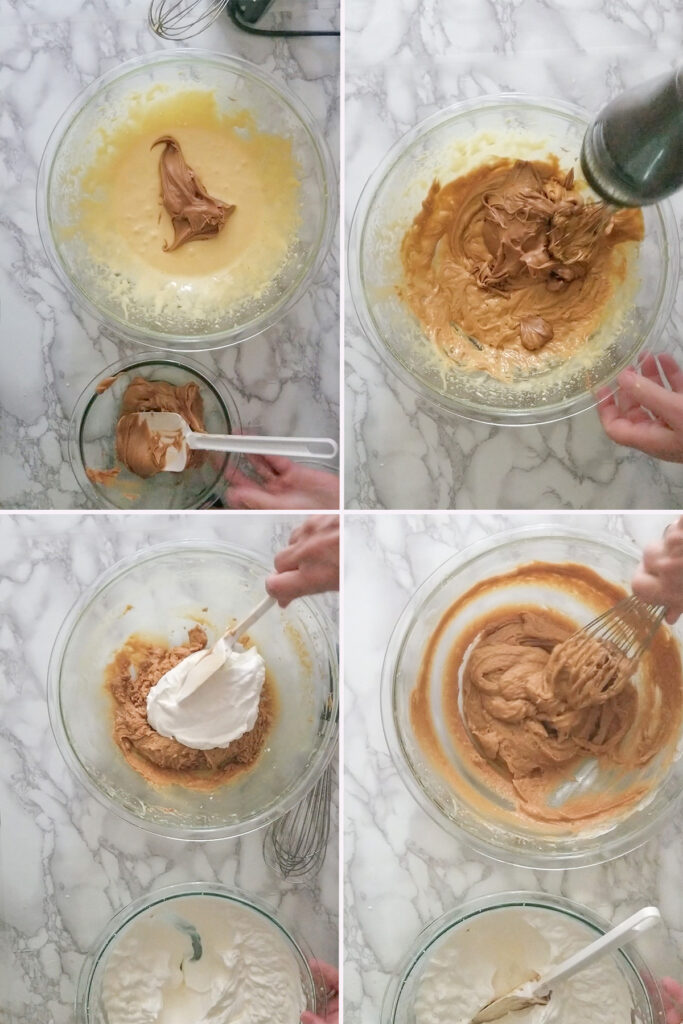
{"type": "Point", "coordinates": [129, 677]}
{"type": "Point", "coordinates": [508, 261]}
{"type": "Point", "coordinates": [129, 227]}
{"type": "Point", "coordinates": [520, 724]}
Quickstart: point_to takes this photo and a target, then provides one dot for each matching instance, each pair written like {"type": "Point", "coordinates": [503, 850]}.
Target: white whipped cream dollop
{"type": "Point", "coordinates": [210, 698]}
{"type": "Point", "coordinates": [246, 971]}
{"type": "Point", "coordinates": [494, 952]}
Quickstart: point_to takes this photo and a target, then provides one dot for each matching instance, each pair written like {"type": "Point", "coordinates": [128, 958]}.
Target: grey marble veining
{"type": "Point", "coordinates": [405, 61]}
{"type": "Point", "coordinates": [284, 381]}
{"type": "Point", "coordinates": [402, 870]}
{"type": "Point", "coordinates": [67, 864]}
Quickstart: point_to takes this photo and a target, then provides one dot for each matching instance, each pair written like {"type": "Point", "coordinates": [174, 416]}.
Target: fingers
{"type": "Point", "coordinates": [251, 496]}
{"type": "Point", "coordinates": [330, 975]}
{"type": "Point", "coordinates": [312, 1018]}
{"type": "Point", "coordinates": [645, 435]}
{"type": "Point", "coordinates": [663, 403]}
{"type": "Point", "coordinates": [659, 577]}
{"type": "Point", "coordinates": [285, 587]}
{"type": "Point", "coordinates": [268, 466]}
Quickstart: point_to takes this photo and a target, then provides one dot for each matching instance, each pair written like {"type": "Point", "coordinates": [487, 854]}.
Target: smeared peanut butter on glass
{"type": "Point", "coordinates": [193, 212]}
{"type": "Point", "coordinates": [509, 259]}
{"type": "Point", "coordinates": [141, 450]}
{"type": "Point", "coordinates": [129, 677]}
{"type": "Point", "coordinates": [523, 714]}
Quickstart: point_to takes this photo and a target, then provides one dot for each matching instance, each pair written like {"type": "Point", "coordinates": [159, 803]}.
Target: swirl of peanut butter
{"type": "Point", "coordinates": [194, 213]}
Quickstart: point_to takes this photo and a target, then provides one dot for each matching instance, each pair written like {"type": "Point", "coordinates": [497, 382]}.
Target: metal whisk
{"type": "Point", "coordinates": [295, 845]}
{"type": "Point", "coordinates": [630, 626]}
{"type": "Point", "coordinates": [182, 19]}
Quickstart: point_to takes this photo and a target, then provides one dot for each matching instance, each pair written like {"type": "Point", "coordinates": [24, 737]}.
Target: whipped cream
{"type": "Point", "coordinates": [210, 698]}
{"type": "Point", "coordinates": [245, 973]}
{"type": "Point", "coordinates": [494, 952]}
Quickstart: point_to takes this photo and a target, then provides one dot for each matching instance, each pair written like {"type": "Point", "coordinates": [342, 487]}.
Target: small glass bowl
{"type": "Point", "coordinates": [92, 440]}
{"type": "Point", "coordinates": [514, 126]}
{"type": "Point", "coordinates": [174, 899]}
{"type": "Point", "coordinates": [399, 1002]}
{"type": "Point", "coordinates": [486, 822]}
{"type": "Point", "coordinates": [238, 85]}
{"type": "Point", "coordinates": [163, 591]}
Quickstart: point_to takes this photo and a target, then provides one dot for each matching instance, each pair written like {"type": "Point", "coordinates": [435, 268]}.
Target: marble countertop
{"type": "Point", "coordinates": [286, 381]}
{"type": "Point", "coordinates": [401, 869]}
{"type": "Point", "coordinates": [66, 864]}
{"type": "Point", "coordinates": [404, 62]}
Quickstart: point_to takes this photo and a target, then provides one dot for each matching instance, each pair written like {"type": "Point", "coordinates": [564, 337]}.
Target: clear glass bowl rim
{"type": "Point", "coordinates": [614, 846]}
{"type": "Point", "coordinates": [144, 903]}
{"type": "Point", "coordinates": [181, 360]}
{"type": "Point", "coordinates": [472, 908]}
{"type": "Point", "coordinates": [509, 418]}
{"type": "Point", "coordinates": [318, 253]}
{"type": "Point", "coordinates": [318, 763]}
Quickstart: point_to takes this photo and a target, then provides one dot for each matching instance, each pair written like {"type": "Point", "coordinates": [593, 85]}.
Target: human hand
{"type": "Point", "coordinates": [310, 562]}
{"type": "Point", "coordinates": [330, 976]}
{"type": "Point", "coordinates": [644, 413]}
{"type": "Point", "coordinates": [282, 484]}
{"type": "Point", "coordinates": [659, 576]}
{"type": "Point", "coordinates": [672, 994]}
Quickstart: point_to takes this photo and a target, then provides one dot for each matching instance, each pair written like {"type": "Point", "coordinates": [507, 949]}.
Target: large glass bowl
{"type": "Point", "coordinates": [486, 821]}
{"type": "Point", "coordinates": [175, 900]}
{"type": "Point", "coordinates": [92, 440]}
{"type": "Point", "coordinates": [399, 1001]}
{"type": "Point", "coordinates": [164, 591]}
{"type": "Point", "coordinates": [440, 148]}
{"type": "Point", "coordinates": [238, 85]}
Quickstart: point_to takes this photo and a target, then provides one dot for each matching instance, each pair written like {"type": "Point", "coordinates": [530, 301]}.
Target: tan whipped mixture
{"type": "Point", "coordinates": [508, 259]}
{"type": "Point", "coordinates": [525, 704]}
{"type": "Point", "coordinates": [129, 677]}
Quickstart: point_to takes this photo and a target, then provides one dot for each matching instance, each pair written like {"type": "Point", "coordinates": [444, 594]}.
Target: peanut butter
{"type": "Point", "coordinates": [194, 213]}
{"type": "Point", "coordinates": [509, 259]}
{"type": "Point", "coordinates": [133, 671]}
{"type": "Point", "coordinates": [141, 450]}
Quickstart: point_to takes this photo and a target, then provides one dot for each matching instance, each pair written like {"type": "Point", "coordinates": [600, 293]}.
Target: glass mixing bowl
{"type": "Point", "coordinates": [238, 85]}
{"type": "Point", "coordinates": [164, 591]}
{"type": "Point", "coordinates": [441, 148]}
{"type": "Point", "coordinates": [178, 899]}
{"type": "Point", "coordinates": [486, 821]}
{"type": "Point", "coordinates": [92, 440]}
{"type": "Point", "coordinates": [399, 1001]}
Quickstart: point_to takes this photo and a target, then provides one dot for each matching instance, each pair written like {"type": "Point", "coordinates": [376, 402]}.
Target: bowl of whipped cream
{"type": "Point", "coordinates": [488, 278]}
{"type": "Point", "coordinates": [198, 952]}
{"type": "Point", "coordinates": [186, 199]}
{"type": "Point", "coordinates": [481, 730]}
{"type": "Point", "coordinates": [487, 947]}
{"type": "Point", "coordinates": [238, 752]}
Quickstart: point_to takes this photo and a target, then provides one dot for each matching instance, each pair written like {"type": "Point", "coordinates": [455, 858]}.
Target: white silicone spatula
{"type": "Point", "coordinates": [209, 660]}
{"type": "Point", "coordinates": [540, 990]}
{"type": "Point", "coordinates": [174, 432]}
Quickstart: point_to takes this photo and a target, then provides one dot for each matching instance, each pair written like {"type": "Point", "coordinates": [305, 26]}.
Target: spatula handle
{"type": "Point", "coordinates": [615, 937]}
{"type": "Point", "coordinates": [292, 447]}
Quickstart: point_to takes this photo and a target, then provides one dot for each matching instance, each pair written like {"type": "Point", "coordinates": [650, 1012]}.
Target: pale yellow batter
{"type": "Point", "coordinates": [121, 218]}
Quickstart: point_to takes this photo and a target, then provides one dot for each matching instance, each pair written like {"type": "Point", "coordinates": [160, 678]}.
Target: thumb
{"type": "Point", "coordinates": [311, 1018]}
{"type": "Point", "coordinates": [663, 403]}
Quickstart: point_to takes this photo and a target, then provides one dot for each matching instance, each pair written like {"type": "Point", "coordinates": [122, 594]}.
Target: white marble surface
{"type": "Point", "coordinates": [284, 381]}
{"type": "Point", "coordinates": [401, 869]}
{"type": "Point", "coordinates": [66, 864]}
{"type": "Point", "coordinates": [404, 61]}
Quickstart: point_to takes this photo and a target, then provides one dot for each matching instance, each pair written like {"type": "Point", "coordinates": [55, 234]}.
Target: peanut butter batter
{"type": "Point", "coordinates": [508, 260]}
{"type": "Point", "coordinates": [524, 704]}
{"type": "Point", "coordinates": [193, 212]}
{"type": "Point", "coordinates": [132, 673]}
{"type": "Point", "coordinates": [141, 450]}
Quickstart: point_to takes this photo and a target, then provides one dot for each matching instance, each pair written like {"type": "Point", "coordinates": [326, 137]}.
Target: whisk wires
{"type": "Point", "coordinates": [629, 626]}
